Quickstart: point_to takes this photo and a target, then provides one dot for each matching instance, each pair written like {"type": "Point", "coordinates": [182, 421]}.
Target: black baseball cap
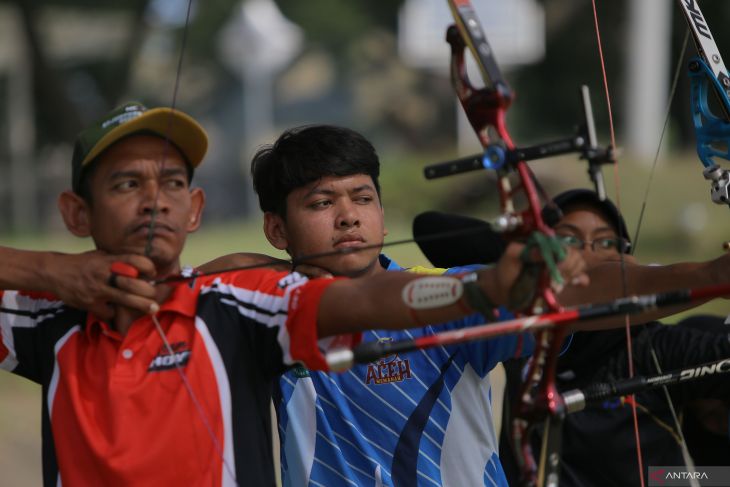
{"type": "Point", "coordinates": [187, 135]}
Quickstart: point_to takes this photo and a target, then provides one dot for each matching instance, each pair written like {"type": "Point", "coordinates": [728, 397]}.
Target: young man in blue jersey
{"type": "Point", "coordinates": [420, 419]}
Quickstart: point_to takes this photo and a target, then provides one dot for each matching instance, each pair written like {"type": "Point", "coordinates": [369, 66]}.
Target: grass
{"type": "Point", "coordinates": [680, 224]}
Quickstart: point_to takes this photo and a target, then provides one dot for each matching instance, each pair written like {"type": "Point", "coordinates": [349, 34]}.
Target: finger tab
{"type": "Point", "coordinates": [124, 269]}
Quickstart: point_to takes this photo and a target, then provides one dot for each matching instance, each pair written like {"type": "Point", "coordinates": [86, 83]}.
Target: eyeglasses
{"type": "Point", "coordinates": [600, 245]}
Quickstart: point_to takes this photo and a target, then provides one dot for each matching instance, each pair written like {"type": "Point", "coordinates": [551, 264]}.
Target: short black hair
{"type": "Point", "coordinates": [308, 153]}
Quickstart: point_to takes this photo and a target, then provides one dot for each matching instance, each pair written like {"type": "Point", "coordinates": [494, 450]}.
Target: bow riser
{"type": "Point", "coordinates": [485, 109]}
{"type": "Point", "coordinates": [711, 130]}
{"type": "Point", "coordinates": [540, 401]}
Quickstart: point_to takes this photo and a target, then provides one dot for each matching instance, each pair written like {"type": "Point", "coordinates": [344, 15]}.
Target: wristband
{"type": "Point", "coordinates": [475, 297]}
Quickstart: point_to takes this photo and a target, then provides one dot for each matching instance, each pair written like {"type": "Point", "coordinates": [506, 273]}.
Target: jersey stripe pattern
{"type": "Point", "coordinates": [421, 419]}
{"type": "Point", "coordinates": [115, 410]}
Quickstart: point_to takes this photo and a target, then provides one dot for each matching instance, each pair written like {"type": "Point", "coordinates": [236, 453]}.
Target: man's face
{"type": "Point", "coordinates": [586, 229]}
{"type": "Point", "coordinates": [334, 213]}
{"type": "Point", "coordinates": [131, 179]}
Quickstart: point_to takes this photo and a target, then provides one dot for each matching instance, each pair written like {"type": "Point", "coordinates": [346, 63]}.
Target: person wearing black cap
{"type": "Point", "coordinates": [598, 444]}
{"type": "Point", "coordinates": [178, 392]}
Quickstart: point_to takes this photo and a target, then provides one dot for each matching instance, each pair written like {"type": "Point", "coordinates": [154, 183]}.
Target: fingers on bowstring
{"type": "Point", "coordinates": [564, 265]}
{"type": "Point", "coordinates": [541, 248]}
{"type": "Point", "coordinates": [112, 280]}
{"type": "Point", "coordinates": [547, 250]}
{"type": "Point", "coordinates": [135, 286]}
{"type": "Point", "coordinates": [573, 268]}
{"type": "Point", "coordinates": [580, 280]}
{"type": "Point", "coordinates": [119, 269]}
{"type": "Point", "coordinates": [128, 290]}
{"type": "Point", "coordinates": [139, 264]}
{"type": "Point", "coordinates": [122, 297]}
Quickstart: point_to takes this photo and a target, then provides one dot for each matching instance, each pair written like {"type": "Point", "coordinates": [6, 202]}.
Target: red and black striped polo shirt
{"type": "Point", "coordinates": [116, 410]}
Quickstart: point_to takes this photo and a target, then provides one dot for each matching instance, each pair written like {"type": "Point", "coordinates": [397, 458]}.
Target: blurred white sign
{"type": "Point", "coordinates": [515, 30]}
{"type": "Point", "coordinates": [259, 40]}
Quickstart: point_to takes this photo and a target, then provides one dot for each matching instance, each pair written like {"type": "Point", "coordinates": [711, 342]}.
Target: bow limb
{"type": "Point", "coordinates": [629, 347]}
{"type": "Point", "coordinates": [485, 109]}
{"type": "Point", "coordinates": [708, 73]}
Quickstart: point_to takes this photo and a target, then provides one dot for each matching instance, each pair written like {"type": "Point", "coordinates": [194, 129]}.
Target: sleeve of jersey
{"type": "Point", "coordinates": [484, 355]}
{"type": "Point", "coordinates": [305, 346]}
{"type": "Point", "coordinates": [19, 311]}
{"type": "Point", "coordinates": [8, 353]}
{"type": "Point", "coordinates": [5, 358]}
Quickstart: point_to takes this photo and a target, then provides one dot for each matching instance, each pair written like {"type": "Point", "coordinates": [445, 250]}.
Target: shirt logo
{"type": "Point", "coordinates": [166, 361]}
{"type": "Point", "coordinates": [290, 279]}
{"type": "Point", "coordinates": [300, 372]}
{"type": "Point", "coordinates": [388, 369]}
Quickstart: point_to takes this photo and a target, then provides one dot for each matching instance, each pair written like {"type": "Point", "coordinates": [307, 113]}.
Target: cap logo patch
{"type": "Point", "coordinates": [122, 118]}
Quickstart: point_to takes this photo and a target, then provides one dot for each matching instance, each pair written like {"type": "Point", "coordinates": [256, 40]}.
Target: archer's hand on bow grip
{"type": "Point", "coordinates": [85, 281]}
{"type": "Point", "coordinates": [520, 267]}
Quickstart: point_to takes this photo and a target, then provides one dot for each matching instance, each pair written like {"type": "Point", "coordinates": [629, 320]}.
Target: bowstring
{"type": "Point", "coordinates": [672, 92]}
{"type": "Point", "coordinates": [624, 283]}
{"type": "Point", "coordinates": [677, 425]}
{"type": "Point", "coordinates": [686, 456]}
{"type": "Point", "coordinates": [148, 251]}
{"type": "Point", "coordinates": [310, 258]}
{"type": "Point", "coordinates": [166, 147]}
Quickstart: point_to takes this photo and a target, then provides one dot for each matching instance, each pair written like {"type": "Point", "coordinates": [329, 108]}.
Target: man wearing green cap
{"type": "Point", "coordinates": [175, 389]}
{"type": "Point", "coordinates": [177, 130]}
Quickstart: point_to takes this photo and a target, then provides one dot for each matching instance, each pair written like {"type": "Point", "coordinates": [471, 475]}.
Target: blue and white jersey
{"type": "Point", "coordinates": [421, 419]}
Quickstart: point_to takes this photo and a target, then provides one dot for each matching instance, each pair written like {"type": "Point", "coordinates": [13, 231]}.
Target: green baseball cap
{"type": "Point", "coordinates": [180, 129]}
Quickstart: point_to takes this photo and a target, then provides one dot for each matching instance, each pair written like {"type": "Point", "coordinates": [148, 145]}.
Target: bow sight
{"type": "Point", "coordinates": [497, 157]}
